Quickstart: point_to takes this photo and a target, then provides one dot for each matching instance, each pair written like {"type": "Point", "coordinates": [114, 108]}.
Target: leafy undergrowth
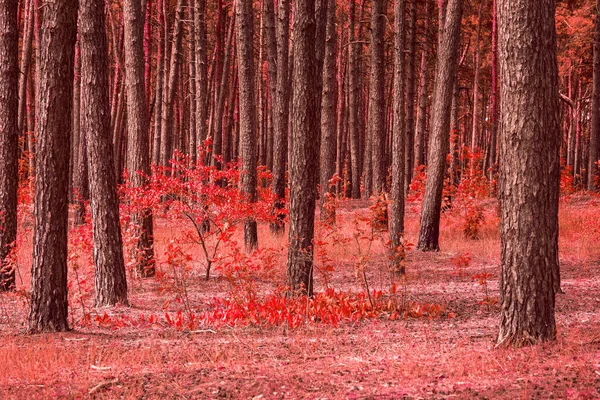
{"type": "Point", "coordinates": [366, 333]}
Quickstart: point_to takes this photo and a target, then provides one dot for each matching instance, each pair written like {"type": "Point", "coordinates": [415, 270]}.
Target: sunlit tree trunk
{"type": "Point", "coordinates": [49, 300]}
{"type": "Point", "coordinates": [410, 94]}
{"type": "Point", "coordinates": [529, 173]}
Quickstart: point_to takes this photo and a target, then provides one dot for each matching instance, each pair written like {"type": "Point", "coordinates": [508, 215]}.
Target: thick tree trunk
{"type": "Point", "coordinates": [281, 116]}
{"type": "Point", "coordinates": [445, 75]}
{"type": "Point", "coordinates": [397, 209]}
{"type": "Point", "coordinates": [49, 300]}
{"type": "Point", "coordinates": [9, 138]}
{"type": "Point", "coordinates": [594, 156]}
{"type": "Point", "coordinates": [110, 277]}
{"type": "Point", "coordinates": [245, 53]}
{"type": "Point", "coordinates": [305, 149]}
{"type": "Point", "coordinates": [376, 102]}
{"type": "Point", "coordinates": [530, 135]}
{"type": "Point", "coordinates": [328, 118]}
{"type": "Point", "coordinates": [138, 162]}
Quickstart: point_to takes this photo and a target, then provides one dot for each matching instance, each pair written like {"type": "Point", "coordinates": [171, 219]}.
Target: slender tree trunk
{"type": "Point", "coordinates": [25, 61]}
{"type": "Point", "coordinates": [305, 149]}
{"type": "Point", "coordinates": [49, 300]}
{"type": "Point", "coordinates": [281, 115]}
{"type": "Point", "coordinates": [110, 279]}
{"type": "Point", "coordinates": [353, 104]}
{"type": "Point", "coordinates": [328, 118]}
{"type": "Point", "coordinates": [167, 132]}
{"type": "Point", "coordinates": [594, 155]}
{"type": "Point", "coordinates": [9, 138]}
{"type": "Point", "coordinates": [245, 53]}
{"type": "Point", "coordinates": [159, 85]}
{"type": "Point", "coordinates": [421, 129]}
{"type": "Point", "coordinates": [138, 159]}
{"type": "Point", "coordinates": [445, 76]}
{"type": "Point", "coordinates": [410, 95]}
{"type": "Point", "coordinates": [201, 70]}
{"type": "Point", "coordinates": [398, 135]}
{"type": "Point", "coordinates": [376, 92]}
{"type": "Point", "coordinates": [475, 119]}
{"type": "Point", "coordinates": [494, 94]}
{"type": "Point", "coordinates": [530, 135]}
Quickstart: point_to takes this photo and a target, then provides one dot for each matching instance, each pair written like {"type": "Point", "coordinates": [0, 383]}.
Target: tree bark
{"type": "Point", "coordinates": [305, 149]}
{"type": "Point", "coordinates": [353, 104]}
{"type": "Point", "coordinates": [9, 138]}
{"type": "Point", "coordinates": [49, 300]}
{"type": "Point", "coordinates": [397, 209]}
{"type": "Point", "coordinates": [138, 162]}
{"type": "Point", "coordinates": [110, 277]}
{"type": "Point", "coordinates": [410, 95]}
{"type": "Point", "coordinates": [159, 85]}
{"type": "Point", "coordinates": [167, 133]}
{"type": "Point", "coordinates": [245, 53]}
{"type": "Point", "coordinates": [530, 135]}
{"type": "Point", "coordinates": [445, 75]}
{"type": "Point", "coordinates": [281, 116]}
{"type": "Point", "coordinates": [328, 118]}
{"type": "Point", "coordinates": [376, 92]}
{"type": "Point", "coordinates": [594, 155]}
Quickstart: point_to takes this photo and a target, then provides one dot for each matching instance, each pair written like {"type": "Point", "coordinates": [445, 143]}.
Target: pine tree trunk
{"type": "Point", "coordinates": [445, 76]}
{"type": "Point", "coordinates": [49, 300]}
{"type": "Point", "coordinates": [530, 135]}
{"type": "Point", "coordinates": [410, 95]}
{"type": "Point", "coordinates": [25, 62]}
{"type": "Point", "coordinates": [353, 104]}
{"type": "Point", "coordinates": [9, 138]}
{"type": "Point", "coordinates": [138, 162]}
{"type": "Point", "coordinates": [159, 86]}
{"type": "Point", "coordinates": [110, 277]}
{"type": "Point", "coordinates": [594, 156]}
{"type": "Point", "coordinates": [376, 92]}
{"type": "Point", "coordinates": [248, 133]}
{"type": "Point", "coordinates": [328, 118]}
{"type": "Point", "coordinates": [304, 149]}
{"type": "Point", "coordinates": [201, 71]}
{"type": "Point", "coordinates": [398, 135]}
{"type": "Point", "coordinates": [167, 131]}
{"type": "Point", "coordinates": [281, 116]}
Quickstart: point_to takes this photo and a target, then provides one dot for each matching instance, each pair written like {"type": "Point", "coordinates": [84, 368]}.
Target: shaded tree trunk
{"type": "Point", "coordinates": [530, 135]}
{"type": "Point", "coordinates": [328, 118]}
{"type": "Point", "coordinates": [138, 162]}
{"type": "Point", "coordinates": [49, 300]}
{"type": "Point", "coordinates": [201, 70]}
{"type": "Point", "coordinates": [410, 95]}
{"type": "Point", "coordinates": [445, 75]}
{"type": "Point", "coordinates": [281, 115]}
{"type": "Point", "coordinates": [110, 277]}
{"type": "Point", "coordinates": [9, 138]}
{"type": "Point", "coordinates": [396, 221]}
{"type": "Point", "coordinates": [353, 104]}
{"type": "Point", "coordinates": [594, 155]}
{"type": "Point", "coordinates": [248, 133]}
{"type": "Point", "coordinates": [304, 149]}
{"type": "Point", "coordinates": [376, 92]}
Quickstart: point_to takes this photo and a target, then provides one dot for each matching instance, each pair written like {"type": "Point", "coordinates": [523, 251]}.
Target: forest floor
{"type": "Point", "coordinates": [447, 352]}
